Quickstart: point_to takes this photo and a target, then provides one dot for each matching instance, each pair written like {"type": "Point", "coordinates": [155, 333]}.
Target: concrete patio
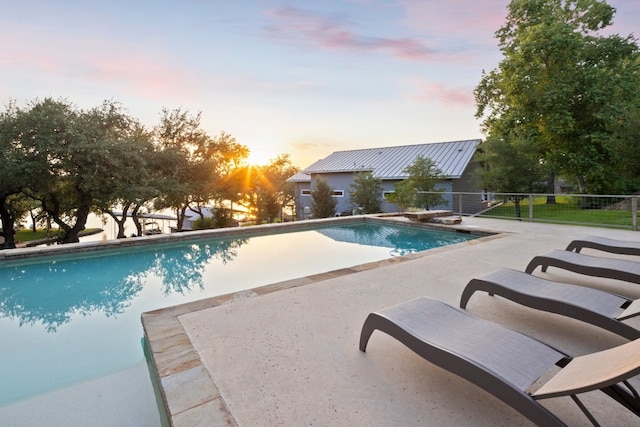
{"type": "Point", "coordinates": [287, 354]}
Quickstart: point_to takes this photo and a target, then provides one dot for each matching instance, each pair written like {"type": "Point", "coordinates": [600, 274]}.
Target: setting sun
{"type": "Point", "coordinates": [260, 156]}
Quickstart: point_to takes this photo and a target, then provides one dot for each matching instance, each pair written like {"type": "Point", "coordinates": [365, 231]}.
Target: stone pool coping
{"type": "Point", "coordinates": [130, 242]}
{"type": "Point", "coordinates": [21, 253]}
{"type": "Point", "coordinates": [186, 393]}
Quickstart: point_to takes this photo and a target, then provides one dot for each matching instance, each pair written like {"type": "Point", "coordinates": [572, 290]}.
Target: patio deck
{"type": "Point", "coordinates": [287, 354]}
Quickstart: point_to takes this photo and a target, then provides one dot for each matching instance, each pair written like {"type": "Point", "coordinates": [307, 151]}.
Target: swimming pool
{"type": "Point", "coordinates": [71, 318]}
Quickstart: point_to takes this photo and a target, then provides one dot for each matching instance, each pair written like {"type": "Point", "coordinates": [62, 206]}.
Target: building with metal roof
{"type": "Point", "coordinates": [454, 159]}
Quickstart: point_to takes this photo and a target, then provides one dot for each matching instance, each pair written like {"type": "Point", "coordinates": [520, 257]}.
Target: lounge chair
{"type": "Point", "coordinates": [506, 363]}
{"type": "Point", "coordinates": [610, 268]}
{"type": "Point", "coordinates": [593, 306]}
{"type": "Point", "coordinates": [605, 244]}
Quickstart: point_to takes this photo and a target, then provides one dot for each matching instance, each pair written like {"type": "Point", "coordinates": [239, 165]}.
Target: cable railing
{"type": "Point", "coordinates": [612, 211]}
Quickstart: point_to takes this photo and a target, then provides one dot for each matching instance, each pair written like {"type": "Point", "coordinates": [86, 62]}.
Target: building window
{"type": "Point", "coordinates": [386, 194]}
{"type": "Point", "coordinates": [336, 193]}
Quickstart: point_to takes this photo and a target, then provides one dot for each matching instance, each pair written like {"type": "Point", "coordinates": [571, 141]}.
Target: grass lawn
{"type": "Point", "coordinates": [566, 210]}
{"type": "Point", "coordinates": [26, 234]}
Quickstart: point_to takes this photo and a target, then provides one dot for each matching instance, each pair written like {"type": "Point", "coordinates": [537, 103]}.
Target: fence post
{"type": "Point", "coordinates": [530, 207]}
{"type": "Point", "coordinates": [460, 205]}
{"type": "Point", "coordinates": [634, 212]}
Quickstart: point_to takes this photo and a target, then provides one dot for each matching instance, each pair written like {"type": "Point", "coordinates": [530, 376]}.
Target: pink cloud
{"type": "Point", "coordinates": [91, 62]}
{"type": "Point", "coordinates": [135, 74]}
{"type": "Point", "coordinates": [477, 21]}
{"type": "Point", "coordinates": [471, 21]}
{"type": "Point", "coordinates": [430, 92]}
{"type": "Point", "coordinates": [290, 23]}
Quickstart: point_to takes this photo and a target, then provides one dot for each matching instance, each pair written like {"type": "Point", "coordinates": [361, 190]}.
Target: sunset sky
{"type": "Point", "coordinates": [300, 77]}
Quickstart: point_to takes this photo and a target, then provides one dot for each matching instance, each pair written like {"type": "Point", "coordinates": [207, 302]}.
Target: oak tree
{"type": "Point", "coordinates": [561, 87]}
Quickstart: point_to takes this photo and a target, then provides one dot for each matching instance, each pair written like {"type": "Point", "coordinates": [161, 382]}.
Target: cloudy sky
{"type": "Point", "coordinates": [300, 77]}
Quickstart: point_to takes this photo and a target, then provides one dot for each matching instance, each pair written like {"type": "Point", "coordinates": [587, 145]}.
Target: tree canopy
{"type": "Point", "coordinates": [366, 192]}
{"type": "Point", "coordinates": [419, 189]}
{"type": "Point", "coordinates": [264, 190]}
{"type": "Point", "coordinates": [13, 176]}
{"type": "Point", "coordinates": [194, 161]}
{"type": "Point", "coordinates": [73, 160]}
{"type": "Point", "coordinates": [62, 163]}
{"type": "Point", "coordinates": [561, 90]}
{"type": "Point", "coordinates": [323, 204]}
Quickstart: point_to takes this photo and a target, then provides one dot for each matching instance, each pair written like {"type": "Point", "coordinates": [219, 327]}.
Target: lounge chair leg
{"type": "Point", "coordinates": [574, 247]}
{"type": "Point", "coordinates": [472, 287]}
{"type": "Point", "coordinates": [369, 326]}
{"type": "Point", "coordinates": [633, 392]}
{"type": "Point", "coordinates": [536, 261]}
{"type": "Point", "coordinates": [627, 399]}
{"type": "Point", "coordinates": [585, 410]}
{"type": "Point", "coordinates": [531, 266]}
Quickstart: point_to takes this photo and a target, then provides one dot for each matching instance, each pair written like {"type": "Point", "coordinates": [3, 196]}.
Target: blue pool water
{"type": "Point", "coordinates": [73, 318]}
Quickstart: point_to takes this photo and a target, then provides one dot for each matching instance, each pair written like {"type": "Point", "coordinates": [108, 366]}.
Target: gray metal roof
{"type": "Point", "coordinates": [390, 162]}
{"type": "Point", "coordinates": [300, 177]}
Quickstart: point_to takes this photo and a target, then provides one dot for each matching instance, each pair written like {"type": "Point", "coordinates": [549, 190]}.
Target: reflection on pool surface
{"type": "Point", "coordinates": [72, 318]}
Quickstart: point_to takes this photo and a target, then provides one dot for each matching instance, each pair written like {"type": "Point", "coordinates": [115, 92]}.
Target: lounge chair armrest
{"type": "Point", "coordinates": [593, 371]}
{"type": "Point", "coordinates": [631, 311]}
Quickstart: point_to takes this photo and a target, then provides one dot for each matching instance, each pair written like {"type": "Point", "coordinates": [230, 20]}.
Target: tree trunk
{"type": "Point", "coordinates": [72, 235]}
{"type": "Point", "coordinates": [120, 221]}
{"type": "Point", "coordinates": [551, 188]}
{"type": "Point", "coordinates": [33, 221]}
{"type": "Point", "coordinates": [180, 215]}
{"type": "Point", "coordinates": [136, 220]}
{"type": "Point", "coordinates": [581, 184]}
{"type": "Point", "coordinates": [518, 208]}
{"type": "Point", "coordinates": [8, 222]}
{"type": "Point", "coordinates": [199, 209]}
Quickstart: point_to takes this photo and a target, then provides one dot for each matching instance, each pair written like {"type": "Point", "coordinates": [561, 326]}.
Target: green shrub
{"type": "Point", "coordinates": [204, 223]}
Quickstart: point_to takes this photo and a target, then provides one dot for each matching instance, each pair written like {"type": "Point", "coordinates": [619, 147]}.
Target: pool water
{"type": "Point", "coordinates": [69, 319]}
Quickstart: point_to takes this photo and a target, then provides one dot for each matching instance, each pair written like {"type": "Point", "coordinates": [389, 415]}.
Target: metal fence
{"type": "Point", "coordinates": [613, 211]}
